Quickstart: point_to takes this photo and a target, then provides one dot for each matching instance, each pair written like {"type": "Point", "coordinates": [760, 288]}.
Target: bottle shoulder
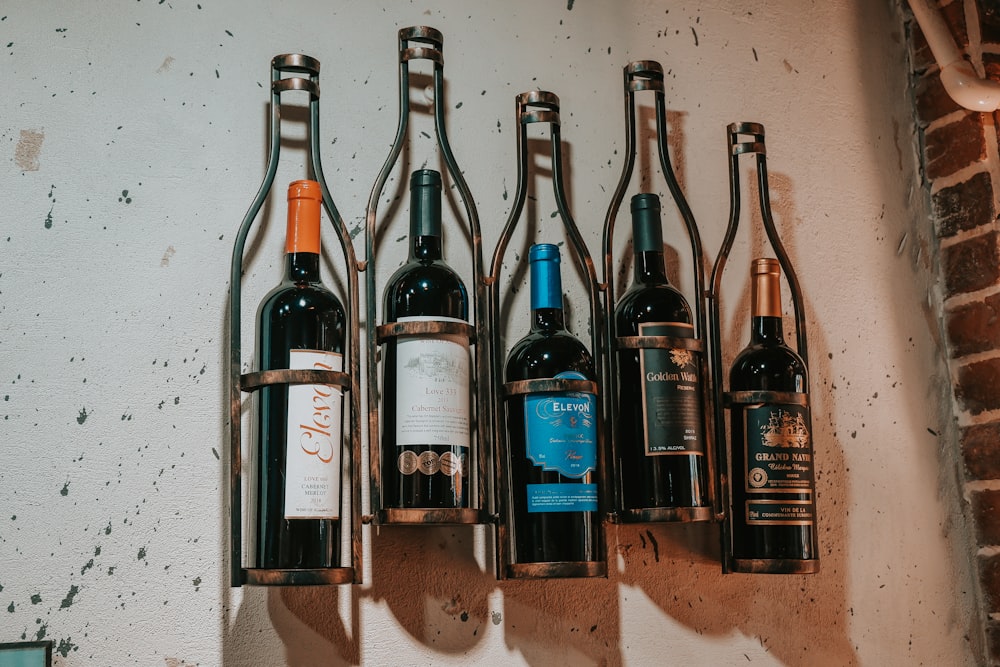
{"type": "Point", "coordinates": [768, 367]}
{"type": "Point", "coordinates": [650, 303]}
{"type": "Point", "coordinates": [542, 354]}
{"type": "Point", "coordinates": [289, 297]}
{"type": "Point", "coordinates": [425, 287]}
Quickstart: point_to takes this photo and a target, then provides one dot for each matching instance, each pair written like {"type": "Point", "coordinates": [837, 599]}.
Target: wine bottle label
{"type": "Point", "coordinates": [779, 460]}
{"type": "Point", "coordinates": [432, 390]}
{"type": "Point", "coordinates": [313, 440]}
{"type": "Point", "coordinates": [671, 394]}
{"type": "Point", "coordinates": [561, 434]}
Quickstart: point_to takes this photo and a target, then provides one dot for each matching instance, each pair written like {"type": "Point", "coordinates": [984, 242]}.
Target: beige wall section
{"type": "Point", "coordinates": [145, 125]}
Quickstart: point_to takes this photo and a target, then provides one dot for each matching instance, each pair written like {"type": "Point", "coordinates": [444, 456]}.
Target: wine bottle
{"type": "Point", "coordinates": [660, 426]}
{"type": "Point", "coordinates": [552, 436]}
{"type": "Point", "coordinates": [773, 490]}
{"type": "Point", "coordinates": [426, 402]}
{"type": "Point", "coordinates": [300, 325]}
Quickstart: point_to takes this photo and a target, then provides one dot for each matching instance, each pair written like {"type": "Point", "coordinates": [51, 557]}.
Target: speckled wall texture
{"type": "Point", "coordinates": [132, 140]}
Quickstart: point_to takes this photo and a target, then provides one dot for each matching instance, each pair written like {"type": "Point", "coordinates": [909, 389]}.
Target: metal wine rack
{"type": "Point", "coordinates": [305, 77]}
{"type": "Point", "coordinates": [424, 43]}
{"type": "Point", "coordinates": [748, 139]}
{"type": "Point", "coordinates": [647, 75]}
{"type": "Point", "coordinates": [539, 107]}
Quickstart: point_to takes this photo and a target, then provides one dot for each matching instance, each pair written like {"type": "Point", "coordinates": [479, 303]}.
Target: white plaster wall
{"type": "Point", "coordinates": [132, 139]}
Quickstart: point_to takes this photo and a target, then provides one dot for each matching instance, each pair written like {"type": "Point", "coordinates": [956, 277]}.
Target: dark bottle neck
{"type": "Point", "coordinates": [649, 268]}
{"type": "Point", "coordinates": [425, 215]}
{"type": "Point", "coordinates": [766, 330]}
{"type": "Point", "coordinates": [425, 248]}
{"type": "Point", "coordinates": [302, 267]}
{"type": "Point", "coordinates": [547, 319]}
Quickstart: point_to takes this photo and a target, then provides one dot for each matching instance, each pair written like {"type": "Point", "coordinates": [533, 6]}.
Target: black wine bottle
{"type": "Point", "coordinates": [552, 436]}
{"type": "Point", "coordinates": [426, 402]}
{"type": "Point", "coordinates": [300, 325]}
{"type": "Point", "coordinates": [773, 489]}
{"type": "Point", "coordinates": [660, 426]}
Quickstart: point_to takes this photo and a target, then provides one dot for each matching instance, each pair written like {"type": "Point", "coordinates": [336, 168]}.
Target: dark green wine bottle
{"type": "Point", "coordinates": [426, 422]}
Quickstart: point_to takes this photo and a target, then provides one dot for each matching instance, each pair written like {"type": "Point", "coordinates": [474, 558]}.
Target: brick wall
{"type": "Point", "coordinates": [961, 170]}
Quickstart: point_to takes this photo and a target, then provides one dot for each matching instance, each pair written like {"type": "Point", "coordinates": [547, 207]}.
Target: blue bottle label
{"type": "Point", "coordinates": [561, 433]}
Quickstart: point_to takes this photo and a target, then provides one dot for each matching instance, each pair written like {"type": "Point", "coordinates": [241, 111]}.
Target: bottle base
{"type": "Point", "coordinates": [666, 514]}
{"type": "Point", "coordinates": [316, 577]}
{"type": "Point", "coordinates": [415, 516]}
{"type": "Point", "coordinates": [557, 570]}
{"type": "Point", "coordinates": [774, 565]}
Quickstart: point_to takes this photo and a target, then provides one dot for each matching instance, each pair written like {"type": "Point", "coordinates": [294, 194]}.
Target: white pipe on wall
{"type": "Point", "coordinates": [960, 80]}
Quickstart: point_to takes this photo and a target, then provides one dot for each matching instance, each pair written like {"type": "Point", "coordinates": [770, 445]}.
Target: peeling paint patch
{"type": "Point", "coordinates": [82, 417]}
{"type": "Point", "coordinates": [496, 617]}
{"type": "Point", "coordinates": [142, 553]}
{"type": "Point", "coordinates": [29, 148]}
{"type": "Point", "coordinates": [36, 598]}
{"type": "Point", "coordinates": [65, 490]}
{"type": "Point", "coordinates": [68, 600]}
{"type": "Point", "coordinates": [655, 544]}
{"type": "Point", "coordinates": [167, 255]}
{"type": "Point", "coordinates": [65, 646]}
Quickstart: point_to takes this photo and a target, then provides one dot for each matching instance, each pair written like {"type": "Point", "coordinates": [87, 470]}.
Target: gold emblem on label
{"type": "Point", "coordinates": [407, 463]}
{"type": "Point", "coordinates": [757, 477]}
{"type": "Point", "coordinates": [428, 463]}
{"type": "Point", "coordinates": [450, 464]}
{"type": "Point", "coordinates": [785, 430]}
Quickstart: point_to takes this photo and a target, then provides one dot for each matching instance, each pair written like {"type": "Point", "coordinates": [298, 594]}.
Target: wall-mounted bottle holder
{"type": "Point", "coordinates": [748, 139]}
{"type": "Point", "coordinates": [540, 107]}
{"type": "Point", "coordinates": [305, 77]}
{"type": "Point", "coordinates": [424, 43]}
{"type": "Point", "coordinates": [639, 76]}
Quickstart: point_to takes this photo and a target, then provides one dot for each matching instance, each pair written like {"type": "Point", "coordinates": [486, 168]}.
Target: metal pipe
{"type": "Point", "coordinates": [960, 79]}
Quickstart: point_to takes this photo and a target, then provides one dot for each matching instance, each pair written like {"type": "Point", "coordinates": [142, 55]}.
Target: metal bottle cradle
{"type": "Point", "coordinates": [647, 75]}
{"type": "Point", "coordinates": [249, 382]}
{"type": "Point", "coordinates": [748, 139]}
{"type": "Point", "coordinates": [429, 46]}
{"type": "Point", "coordinates": [540, 107]}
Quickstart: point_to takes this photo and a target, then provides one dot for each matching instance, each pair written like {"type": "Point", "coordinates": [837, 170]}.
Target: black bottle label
{"type": "Point", "coordinates": [561, 433]}
{"type": "Point", "coordinates": [779, 461]}
{"type": "Point", "coordinates": [671, 394]}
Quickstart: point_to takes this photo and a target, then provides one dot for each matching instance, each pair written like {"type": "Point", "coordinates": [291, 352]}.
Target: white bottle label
{"type": "Point", "coordinates": [432, 388]}
{"type": "Point", "coordinates": [314, 440]}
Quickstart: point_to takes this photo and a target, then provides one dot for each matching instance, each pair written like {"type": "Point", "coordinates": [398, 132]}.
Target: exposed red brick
{"type": "Point", "coordinates": [974, 327]}
{"type": "Point", "coordinates": [954, 16]}
{"type": "Point", "coordinates": [986, 515]}
{"type": "Point", "coordinates": [989, 21]}
{"type": "Point", "coordinates": [981, 451]}
{"type": "Point", "coordinates": [991, 65]}
{"type": "Point", "coordinates": [971, 264]}
{"type": "Point", "coordinates": [932, 100]}
{"type": "Point", "coordinates": [993, 642]}
{"type": "Point", "coordinates": [978, 387]}
{"type": "Point", "coordinates": [964, 206]}
{"type": "Point", "coordinates": [989, 577]}
{"type": "Point", "coordinates": [954, 146]}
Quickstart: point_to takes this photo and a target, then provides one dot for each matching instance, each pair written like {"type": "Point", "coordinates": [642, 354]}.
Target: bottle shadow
{"type": "Point", "coordinates": [432, 584]}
